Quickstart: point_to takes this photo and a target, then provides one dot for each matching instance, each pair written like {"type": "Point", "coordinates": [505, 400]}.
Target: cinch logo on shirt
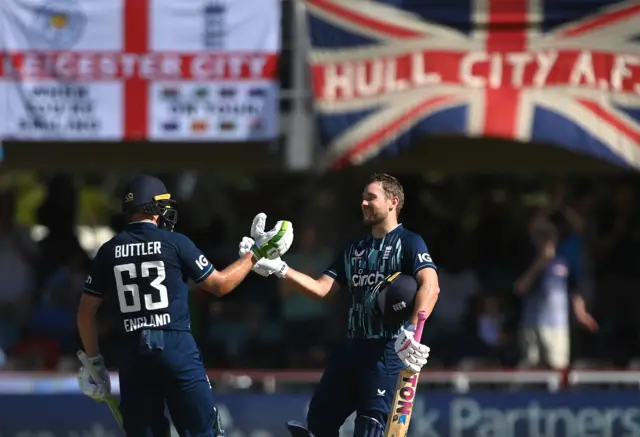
{"type": "Point", "coordinates": [361, 280]}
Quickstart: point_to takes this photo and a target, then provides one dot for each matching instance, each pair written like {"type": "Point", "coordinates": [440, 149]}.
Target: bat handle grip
{"type": "Point", "coordinates": [84, 359]}
{"type": "Point", "coordinates": [422, 317]}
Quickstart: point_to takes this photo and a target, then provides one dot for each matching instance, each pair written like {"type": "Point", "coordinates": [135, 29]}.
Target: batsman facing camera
{"type": "Point", "coordinates": [366, 271]}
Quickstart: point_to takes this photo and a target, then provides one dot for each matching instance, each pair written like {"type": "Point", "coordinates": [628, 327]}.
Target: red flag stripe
{"type": "Point", "coordinates": [391, 127]}
{"type": "Point", "coordinates": [611, 119]}
{"type": "Point", "coordinates": [501, 104]}
{"type": "Point", "coordinates": [136, 92]}
{"type": "Point", "coordinates": [601, 20]}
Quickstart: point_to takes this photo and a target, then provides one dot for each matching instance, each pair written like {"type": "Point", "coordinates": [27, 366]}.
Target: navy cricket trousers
{"type": "Point", "coordinates": [361, 376]}
{"type": "Point", "coordinates": [158, 367]}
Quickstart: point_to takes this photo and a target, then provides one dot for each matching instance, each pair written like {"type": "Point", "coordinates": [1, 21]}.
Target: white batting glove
{"type": "Point", "coordinates": [270, 244]}
{"type": "Point", "coordinates": [412, 354]}
{"type": "Point", "coordinates": [245, 246]}
{"type": "Point", "coordinates": [96, 390]}
{"type": "Point", "coordinates": [264, 267]}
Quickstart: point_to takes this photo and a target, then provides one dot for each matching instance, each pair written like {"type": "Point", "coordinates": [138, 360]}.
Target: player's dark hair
{"type": "Point", "coordinates": [391, 187]}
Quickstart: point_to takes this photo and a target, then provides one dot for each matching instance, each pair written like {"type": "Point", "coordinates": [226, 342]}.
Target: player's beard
{"type": "Point", "coordinates": [371, 217]}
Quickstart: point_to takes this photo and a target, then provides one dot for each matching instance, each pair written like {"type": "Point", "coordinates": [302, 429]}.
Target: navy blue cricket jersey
{"type": "Point", "coordinates": [147, 269]}
{"type": "Point", "coordinates": [365, 263]}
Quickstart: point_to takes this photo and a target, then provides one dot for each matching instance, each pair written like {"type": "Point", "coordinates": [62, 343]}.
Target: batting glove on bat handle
{"type": "Point", "coordinates": [93, 378]}
{"type": "Point", "coordinates": [412, 354]}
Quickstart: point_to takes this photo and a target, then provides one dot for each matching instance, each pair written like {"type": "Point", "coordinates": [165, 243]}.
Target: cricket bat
{"type": "Point", "coordinates": [404, 396]}
{"type": "Point", "coordinates": [110, 400]}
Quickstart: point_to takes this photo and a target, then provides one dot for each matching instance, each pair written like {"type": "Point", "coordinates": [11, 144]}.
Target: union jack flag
{"type": "Point", "coordinates": [564, 72]}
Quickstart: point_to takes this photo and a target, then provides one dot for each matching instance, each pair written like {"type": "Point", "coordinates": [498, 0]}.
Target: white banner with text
{"type": "Point", "coordinates": [144, 69]}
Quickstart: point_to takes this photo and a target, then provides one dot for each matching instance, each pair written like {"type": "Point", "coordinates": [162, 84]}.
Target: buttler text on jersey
{"type": "Point", "coordinates": [138, 249]}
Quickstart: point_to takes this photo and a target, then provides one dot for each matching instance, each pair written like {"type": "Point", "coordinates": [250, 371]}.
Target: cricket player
{"type": "Point", "coordinates": [362, 374]}
{"type": "Point", "coordinates": [145, 269]}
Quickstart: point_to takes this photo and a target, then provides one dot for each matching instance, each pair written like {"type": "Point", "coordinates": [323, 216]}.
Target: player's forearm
{"type": "Point", "coordinates": [225, 281]}
{"type": "Point", "coordinates": [578, 303]}
{"type": "Point", "coordinates": [426, 297]}
{"type": "Point", "coordinates": [527, 279]}
{"type": "Point", "coordinates": [306, 285]}
{"type": "Point", "coordinates": [88, 331]}
{"type": "Point", "coordinates": [574, 219]}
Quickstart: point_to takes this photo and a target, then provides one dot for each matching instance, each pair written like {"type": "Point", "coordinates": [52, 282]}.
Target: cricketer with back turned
{"type": "Point", "coordinates": [145, 269]}
{"type": "Point", "coordinates": [362, 373]}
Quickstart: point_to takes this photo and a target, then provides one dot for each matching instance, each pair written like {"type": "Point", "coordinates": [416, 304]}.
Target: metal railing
{"type": "Point", "coordinates": [276, 381]}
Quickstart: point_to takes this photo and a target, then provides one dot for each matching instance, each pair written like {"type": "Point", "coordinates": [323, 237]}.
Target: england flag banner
{"type": "Point", "coordinates": [139, 69]}
{"type": "Point", "coordinates": [556, 72]}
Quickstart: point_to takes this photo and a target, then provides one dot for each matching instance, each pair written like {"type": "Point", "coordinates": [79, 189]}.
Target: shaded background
{"type": "Point", "coordinates": [475, 226]}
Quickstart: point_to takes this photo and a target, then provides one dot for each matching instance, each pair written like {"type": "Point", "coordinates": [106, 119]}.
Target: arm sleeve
{"type": "Point", "coordinates": [337, 270]}
{"type": "Point", "coordinates": [100, 277]}
{"type": "Point", "coordinates": [194, 264]}
{"type": "Point", "coordinates": [575, 272]}
{"type": "Point", "coordinates": [416, 255]}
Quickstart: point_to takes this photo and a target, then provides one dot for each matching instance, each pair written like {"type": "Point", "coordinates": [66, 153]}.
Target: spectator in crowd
{"type": "Point", "coordinates": [53, 317]}
{"type": "Point", "coordinates": [61, 245]}
{"type": "Point", "coordinates": [17, 255]}
{"type": "Point", "coordinates": [585, 206]}
{"type": "Point", "coordinates": [487, 338]}
{"type": "Point", "coordinates": [460, 284]}
{"type": "Point", "coordinates": [62, 268]}
{"type": "Point", "coordinates": [546, 287]}
{"type": "Point", "coordinates": [492, 240]}
{"type": "Point", "coordinates": [618, 265]}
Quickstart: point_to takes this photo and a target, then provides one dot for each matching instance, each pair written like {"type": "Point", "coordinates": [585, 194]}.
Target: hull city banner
{"type": "Point", "coordinates": [560, 72]}
{"type": "Point", "coordinates": [141, 69]}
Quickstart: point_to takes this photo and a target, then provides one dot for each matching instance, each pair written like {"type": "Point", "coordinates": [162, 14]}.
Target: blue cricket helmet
{"type": "Point", "coordinates": [395, 297]}
{"type": "Point", "coordinates": [148, 194]}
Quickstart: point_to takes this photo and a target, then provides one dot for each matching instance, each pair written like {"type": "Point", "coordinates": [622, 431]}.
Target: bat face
{"type": "Point", "coordinates": [402, 407]}
{"type": "Point", "coordinates": [398, 425]}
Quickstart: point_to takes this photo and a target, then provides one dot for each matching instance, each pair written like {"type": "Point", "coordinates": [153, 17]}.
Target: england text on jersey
{"type": "Point", "coordinates": [148, 321]}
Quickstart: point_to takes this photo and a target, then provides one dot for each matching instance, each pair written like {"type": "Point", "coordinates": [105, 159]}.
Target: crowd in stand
{"type": "Point", "coordinates": [529, 277]}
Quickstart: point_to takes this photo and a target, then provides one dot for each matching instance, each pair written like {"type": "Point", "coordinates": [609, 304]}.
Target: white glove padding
{"type": "Point", "coordinates": [245, 246]}
{"type": "Point", "coordinates": [412, 354]}
{"type": "Point", "coordinates": [264, 267]}
{"type": "Point", "coordinates": [97, 390]}
{"type": "Point", "coordinates": [274, 243]}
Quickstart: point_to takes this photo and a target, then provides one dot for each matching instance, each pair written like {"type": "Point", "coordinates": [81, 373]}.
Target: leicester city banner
{"type": "Point", "coordinates": [558, 72]}
{"type": "Point", "coordinates": [139, 69]}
